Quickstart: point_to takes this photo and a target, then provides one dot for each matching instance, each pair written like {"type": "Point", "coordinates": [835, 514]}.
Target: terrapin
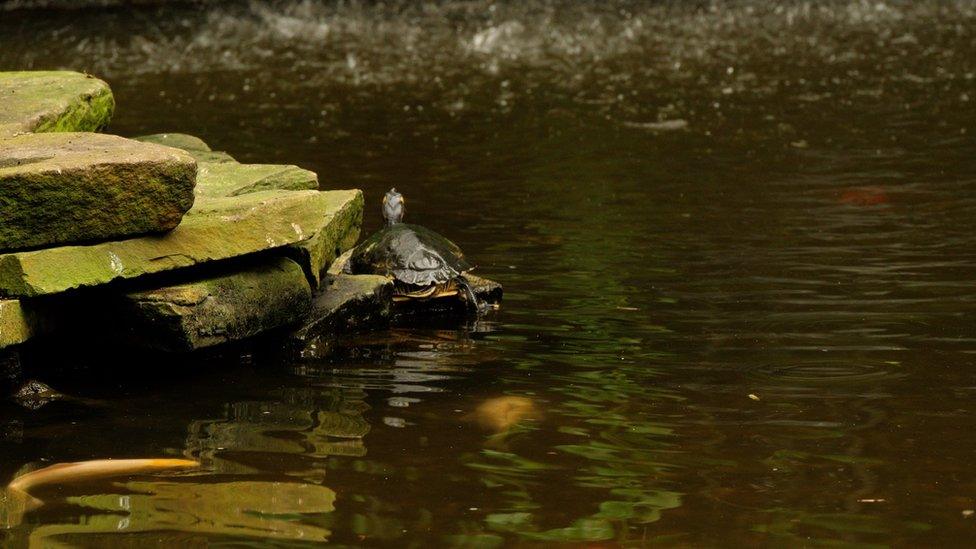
{"type": "Point", "coordinates": [423, 264]}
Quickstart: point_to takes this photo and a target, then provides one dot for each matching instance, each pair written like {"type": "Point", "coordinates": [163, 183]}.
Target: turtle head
{"type": "Point", "coordinates": [393, 207]}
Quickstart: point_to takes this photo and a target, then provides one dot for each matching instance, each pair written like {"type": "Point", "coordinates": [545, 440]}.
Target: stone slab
{"type": "Point", "coordinates": [177, 140]}
{"type": "Point", "coordinates": [233, 179]}
{"type": "Point", "coordinates": [197, 148]}
{"type": "Point", "coordinates": [15, 327]}
{"type": "Point", "coordinates": [318, 252]}
{"type": "Point", "coordinates": [217, 309]}
{"type": "Point", "coordinates": [53, 101]}
{"type": "Point", "coordinates": [346, 303]}
{"type": "Point", "coordinates": [214, 229]}
{"type": "Point", "coordinates": [60, 188]}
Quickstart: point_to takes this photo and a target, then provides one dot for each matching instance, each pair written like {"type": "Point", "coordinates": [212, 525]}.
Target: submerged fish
{"type": "Point", "coordinates": [61, 473]}
{"type": "Point", "coordinates": [499, 414]}
{"type": "Point", "coordinates": [17, 499]}
{"type": "Point", "coordinates": [863, 196]}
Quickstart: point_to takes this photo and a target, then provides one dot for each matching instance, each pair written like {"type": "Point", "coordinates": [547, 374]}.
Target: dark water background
{"type": "Point", "coordinates": [804, 235]}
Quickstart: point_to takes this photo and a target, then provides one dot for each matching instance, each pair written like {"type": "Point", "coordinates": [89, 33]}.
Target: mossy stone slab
{"type": "Point", "coordinates": [233, 179]}
{"type": "Point", "coordinates": [53, 101]}
{"type": "Point", "coordinates": [219, 176]}
{"type": "Point", "coordinates": [197, 148]}
{"type": "Point", "coordinates": [14, 325]}
{"type": "Point", "coordinates": [60, 188]}
{"type": "Point", "coordinates": [178, 140]}
{"type": "Point", "coordinates": [214, 229]}
{"type": "Point", "coordinates": [218, 309]}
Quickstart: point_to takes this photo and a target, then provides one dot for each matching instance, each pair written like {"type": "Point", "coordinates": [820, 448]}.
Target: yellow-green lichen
{"type": "Point", "coordinates": [53, 101]}
{"type": "Point", "coordinates": [60, 188]}
{"type": "Point", "coordinates": [218, 309]}
{"type": "Point", "coordinates": [214, 229]}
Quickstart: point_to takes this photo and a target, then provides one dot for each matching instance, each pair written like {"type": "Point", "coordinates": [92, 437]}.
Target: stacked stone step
{"type": "Point", "coordinates": [185, 246]}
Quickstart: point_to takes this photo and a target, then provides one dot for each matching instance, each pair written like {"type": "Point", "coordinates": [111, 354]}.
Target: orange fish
{"type": "Point", "coordinates": [864, 196]}
{"type": "Point", "coordinates": [499, 414]}
{"type": "Point", "coordinates": [17, 498]}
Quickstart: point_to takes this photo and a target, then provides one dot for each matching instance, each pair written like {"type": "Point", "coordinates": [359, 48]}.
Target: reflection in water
{"type": "Point", "coordinates": [179, 511]}
{"type": "Point", "coordinates": [687, 204]}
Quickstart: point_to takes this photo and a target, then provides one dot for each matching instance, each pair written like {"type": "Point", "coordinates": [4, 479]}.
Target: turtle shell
{"type": "Point", "coordinates": [411, 254]}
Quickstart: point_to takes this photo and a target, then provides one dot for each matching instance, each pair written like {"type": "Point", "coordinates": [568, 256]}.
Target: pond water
{"type": "Point", "coordinates": [737, 244]}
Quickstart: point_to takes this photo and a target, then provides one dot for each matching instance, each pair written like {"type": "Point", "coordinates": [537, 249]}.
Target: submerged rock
{"type": "Point", "coordinates": [61, 188]}
{"type": "Point", "coordinates": [11, 371]}
{"type": "Point", "coordinates": [233, 179]}
{"type": "Point", "coordinates": [53, 101]}
{"type": "Point", "coordinates": [217, 309]}
{"type": "Point", "coordinates": [346, 303]}
{"type": "Point", "coordinates": [214, 229]}
{"type": "Point", "coordinates": [33, 395]}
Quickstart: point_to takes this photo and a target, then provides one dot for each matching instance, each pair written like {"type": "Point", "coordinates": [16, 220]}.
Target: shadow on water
{"type": "Point", "coordinates": [735, 238]}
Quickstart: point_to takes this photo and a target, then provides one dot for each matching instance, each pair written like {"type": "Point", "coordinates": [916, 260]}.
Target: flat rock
{"type": "Point", "coordinates": [177, 140]}
{"type": "Point", "coordinates": [214, 229]}
{"type": "Point", "coordinates": [15, 327]}
{"type": "Point", "coordinates": [53, 101]}
{"type": "Point", "coordinates": [197, 148]}
{"type": "Point", "coordinates": [59, 188]}
{"type": "Point", "coordinates": [346, 303]}
{"type": "Point", "coordinates": [233, 179]}
{"type": "Point", "coordinates": [217, 309]}
{"type": "Point", "coordinates": [219, 176]}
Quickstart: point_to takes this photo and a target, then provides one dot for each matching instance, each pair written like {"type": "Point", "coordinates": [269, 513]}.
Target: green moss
{"type": "Point", "coordinates": [62, 188]}
{"type": "Point", "coordinates": [214, 229]}
{"type": "Point", "coordinates": [318, 252]}
{"type": "Point", "coordinates": [232, 179]}
{"type": "Point", "coordinates": [218, 309]}
{"type": "Point", "coordinates": [14, 325]}
{"type": "Point", "coordinates": [197, 148]}
{"type": "Point", "coordinates": [177, 140]}
{"type": "Point", "coordinates": [53, 101]}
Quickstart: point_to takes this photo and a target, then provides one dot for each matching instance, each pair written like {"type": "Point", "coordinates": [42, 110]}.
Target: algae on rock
{"type": "Point", "coordinates": [233, 179]}
{"type": "Point", "coordinates": [217, 309]}
{"type": "Point", "coordinates": [214, 229]}
{"type": "Point", "coordinates": [53, 101]}
{"type": "Point", "coordinates": [15, 328]}
{"type": "Point", "coordinates": [61, 188]}
{"type": "Point", "coordinates": [197, 148]}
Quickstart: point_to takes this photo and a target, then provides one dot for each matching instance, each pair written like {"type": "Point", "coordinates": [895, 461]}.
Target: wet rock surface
{"type": "Point", "coordinates": [60, 188]}
{"type": "Point", "coordinates": [33, 395]}
{"type": "Point", "coordinates": [346, 303]}
{"type": "Point", "coordinates": [214, 229]}
{"type": "Point", "coordinates": [53, 101]}
{"type": "Point", "coordinates": [217, 309]}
